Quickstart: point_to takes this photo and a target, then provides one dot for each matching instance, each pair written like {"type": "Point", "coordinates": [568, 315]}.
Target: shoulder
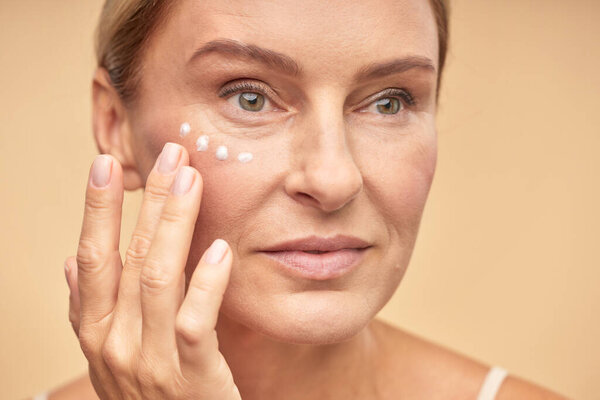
{"type": "Point", "coordinates": [433, 371]}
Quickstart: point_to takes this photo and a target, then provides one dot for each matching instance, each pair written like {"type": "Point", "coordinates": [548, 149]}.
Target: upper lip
{"type": "Point", "coordinates": [320, 244]}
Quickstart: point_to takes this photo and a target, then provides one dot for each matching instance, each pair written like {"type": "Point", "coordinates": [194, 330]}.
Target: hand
{"type": "Point", "coordinates": [143, 336]}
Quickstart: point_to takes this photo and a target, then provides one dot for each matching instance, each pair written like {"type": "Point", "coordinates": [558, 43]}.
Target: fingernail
{"type": "Point", "coordinates": [169, 158]}
{"type": "Point", "coordinates": [183, 181]}
{"type": "Point", "coordinates": [67, 273]}
{"type": "Point", "coordinates": [101, 171]}
{"type": "Point", "coordinates": [216, 251]}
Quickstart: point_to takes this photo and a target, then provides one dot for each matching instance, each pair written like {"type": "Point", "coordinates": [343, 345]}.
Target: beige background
{"type": "Point", "coordinates": [506, 269]}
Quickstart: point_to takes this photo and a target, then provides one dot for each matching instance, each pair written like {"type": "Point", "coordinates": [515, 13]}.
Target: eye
{"type": "Point", "coordinates": [250, 101]}
{"type": "Point", "coordinates": [391, 101]}
{"type": "Point", "coordinates": [249, 96]}
{"type": "Point", "coordinates": [389, 105]}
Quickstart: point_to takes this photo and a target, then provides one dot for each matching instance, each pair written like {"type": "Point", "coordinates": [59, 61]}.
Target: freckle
{"type": "Point", "coordinates": [185, 129]}
{"type": "Point", "coordinates": [202, 143]}
{"type": "Point", "coordinates": [222, 153]}
{"type": "Point", "coordinates": [245, 157]}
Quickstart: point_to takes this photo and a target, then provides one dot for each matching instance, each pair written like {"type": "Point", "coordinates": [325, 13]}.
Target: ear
{"type": "Point", "coordinates": [111, 126]}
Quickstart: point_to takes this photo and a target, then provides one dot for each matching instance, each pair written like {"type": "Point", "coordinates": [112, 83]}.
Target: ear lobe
{"type": "Point", "coordinates": [111, 128]}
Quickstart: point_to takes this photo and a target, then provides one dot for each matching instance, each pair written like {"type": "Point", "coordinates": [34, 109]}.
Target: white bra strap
{"type": "Point", "coordinates": [41, 396]}
{"type": "Point", "coordinates": [491, 384]}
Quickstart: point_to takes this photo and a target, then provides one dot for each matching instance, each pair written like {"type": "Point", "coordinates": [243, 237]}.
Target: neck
{"type": "Point", "coordinates": [267, 369]}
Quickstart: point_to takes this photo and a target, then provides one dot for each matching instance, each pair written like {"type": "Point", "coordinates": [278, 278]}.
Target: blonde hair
{"type": "Point", "coordinates": [125, 27]}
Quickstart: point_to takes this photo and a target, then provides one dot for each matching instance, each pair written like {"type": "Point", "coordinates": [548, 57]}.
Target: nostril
{"type": "Point", "coordinates": [306, 198]}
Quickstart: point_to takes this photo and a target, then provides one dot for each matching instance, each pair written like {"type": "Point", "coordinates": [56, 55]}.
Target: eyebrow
{"type": "Point", "coordinates": [270, 58]}
{"type": "Point", "coordinates": [396, 66]}
{"type": "Point", "coordinates": [289, 66]}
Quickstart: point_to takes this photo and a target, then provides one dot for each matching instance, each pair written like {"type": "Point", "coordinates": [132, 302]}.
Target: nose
{"type": "Point", "coordinates": [324, 174]}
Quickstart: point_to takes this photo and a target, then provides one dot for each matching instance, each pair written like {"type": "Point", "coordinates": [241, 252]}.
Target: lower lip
{"type": "Point", "coordinates": [329, 265]}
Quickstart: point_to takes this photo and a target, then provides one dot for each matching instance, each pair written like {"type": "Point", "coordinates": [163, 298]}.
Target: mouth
{"type": "Point", "coordinates": [318, 265]}
{"type": "Point", "coordinates": [319, 258]}
{"type": "Point", "coordinates": [316, 244]}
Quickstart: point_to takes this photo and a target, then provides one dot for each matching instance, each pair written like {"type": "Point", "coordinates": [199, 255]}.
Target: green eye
{"type": "Point", "coordinates": [389, 105]}
{"type": "Point", "coordinates": [251, 101]}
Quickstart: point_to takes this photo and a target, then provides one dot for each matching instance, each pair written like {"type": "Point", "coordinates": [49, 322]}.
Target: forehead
{"type": "Point", "coordinates": [324, 37]}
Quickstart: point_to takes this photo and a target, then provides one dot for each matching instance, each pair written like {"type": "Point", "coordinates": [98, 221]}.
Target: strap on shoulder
{"type": "Point", "coordinates": [492, 383]}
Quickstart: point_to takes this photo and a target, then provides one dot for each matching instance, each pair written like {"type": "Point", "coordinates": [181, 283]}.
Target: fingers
{"type": "Point", "coordinates": [126, 332]}
{"type": "Point", "coordinates": [71, 275]}
{"type": "Point", "coordinates": [156, 191]}
{"type": "Point", "coordinates": [197, 316]}
{"type": "Point", "coordinates": [98, 259]}
{"type": "Point", "coordinates": [162, 278]}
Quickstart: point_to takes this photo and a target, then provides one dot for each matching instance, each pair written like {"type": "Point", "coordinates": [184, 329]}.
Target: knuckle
{"type": "Point", "coordinates": [173, 215]}
{"type": "Point", "coordinates": [96, 203]}
{"type": "Point", "coordinates": [191, 329]}
{"type": "Point", "coordinates": [89, 254]}
{"type": "Point", "coordinates": [115, 355]}
{"type": "Point", "coordinates": [153, 278]}
{"type": "Point", "coordinates": [138, 248]}
{"type": "Point", "coordinates": [154, 192]}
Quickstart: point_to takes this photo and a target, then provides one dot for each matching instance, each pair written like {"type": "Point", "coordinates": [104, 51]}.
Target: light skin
{"type": "Point", "coordinates": [340, 147]}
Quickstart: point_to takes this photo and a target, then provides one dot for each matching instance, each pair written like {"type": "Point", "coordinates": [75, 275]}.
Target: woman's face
{"type": "Point", "coordinates": [336, 102]}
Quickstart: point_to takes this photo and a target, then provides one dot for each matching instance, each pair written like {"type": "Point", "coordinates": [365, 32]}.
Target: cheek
{"type": "Point", "coordinates": [400, 173]}
{"type": "Point", "coordinates": [234, 192]}
{"type": "Point", "coordinates": [412, 175]}
{"type": "Point", "coordinates": [233, 189]}
{"type": "Point", "coordinates": [151, 130]}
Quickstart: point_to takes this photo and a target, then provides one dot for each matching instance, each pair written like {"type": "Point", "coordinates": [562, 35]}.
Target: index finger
{"type": "Point", "coordinates": [98, 258]}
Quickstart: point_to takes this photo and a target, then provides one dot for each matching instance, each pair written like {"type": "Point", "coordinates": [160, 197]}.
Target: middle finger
{"type": "Point", "coordinates": [162, 277]}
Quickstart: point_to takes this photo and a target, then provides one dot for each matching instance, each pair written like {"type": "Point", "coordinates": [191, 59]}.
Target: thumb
{"type": "Point", "coordinates": [197, 316]}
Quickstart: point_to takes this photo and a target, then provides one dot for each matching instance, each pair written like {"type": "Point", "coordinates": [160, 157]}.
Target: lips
{"type": "Point", "coordinates": [315, 243]}
{"type": "Point", "coordinates": [319, 258]}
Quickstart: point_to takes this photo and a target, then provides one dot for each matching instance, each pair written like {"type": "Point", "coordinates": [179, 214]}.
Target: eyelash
{"type": "Point", "coordinates": [242, 87]}
{"type": "Point", "coordinates": [393, 92]}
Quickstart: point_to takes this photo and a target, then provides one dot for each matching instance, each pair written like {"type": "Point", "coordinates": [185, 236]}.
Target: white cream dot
{"type": "Point", "coordinates": [245, 157]}
{"type": "Point", "coordinates": [185, 129]}
{"type": "Point", "coordinates": [222, 153]}
{"type": "Point", "coordinates": [202, 143]}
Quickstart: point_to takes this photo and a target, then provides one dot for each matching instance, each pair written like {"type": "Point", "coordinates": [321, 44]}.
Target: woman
{"type": "Point", "coordinates": [296, 142]}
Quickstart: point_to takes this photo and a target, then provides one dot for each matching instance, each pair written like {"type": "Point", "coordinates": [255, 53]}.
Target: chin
{"type": "Point", "coordinates": [315, 317]}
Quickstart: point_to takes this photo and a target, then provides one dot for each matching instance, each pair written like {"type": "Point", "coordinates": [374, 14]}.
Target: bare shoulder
{"type": "Point", "coordinates": [431, 371]}
{"type": "Point", "coordinates": [78, 389]}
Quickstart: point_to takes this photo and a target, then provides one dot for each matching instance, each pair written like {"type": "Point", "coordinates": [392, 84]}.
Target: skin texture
{"type": "Point", "coordinates": [321, 165]}
{"type": "Point", "coordinates": [326, 162]}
